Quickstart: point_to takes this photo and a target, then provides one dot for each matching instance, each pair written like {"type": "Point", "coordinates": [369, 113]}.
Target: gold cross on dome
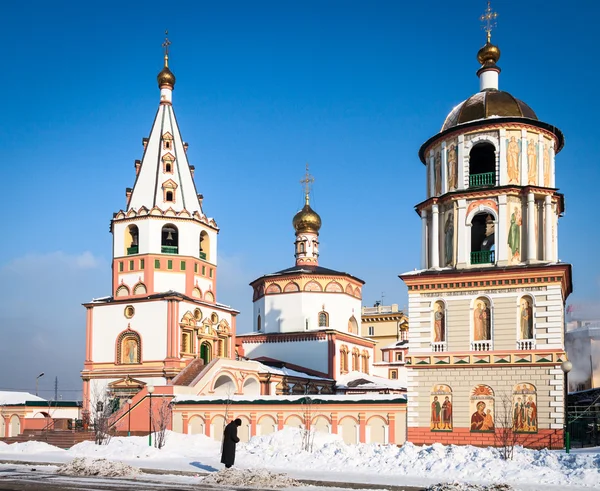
{"type": "Point", "coordinates": [306, 182]}
{"type": "Point", "coordinates": [489, 21]}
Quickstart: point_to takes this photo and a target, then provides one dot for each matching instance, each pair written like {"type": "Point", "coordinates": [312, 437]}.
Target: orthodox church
{"type": "Point", "coordinates": [486, 340]}
{"type": "Point", "coordinates": [162, 331]}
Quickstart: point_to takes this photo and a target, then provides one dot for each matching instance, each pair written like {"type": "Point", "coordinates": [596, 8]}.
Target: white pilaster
{"type": "Point", "coordinates": [435, 239]}
{"type": "Point", "coordinates": [423, 239]}
{"type": "Point", "coordinates": [530, 227]}
{"type": "Point", "coordinates": [460, 155]}
{"type": "Point", "coordinates": [552, 166]}
{"type": "Point", "coordinates": [431, 174]}
{"type": "Point", "coordinates": [523, 158]}
{"type": "Point", "coordinates": [548, 249]}
{"type": "Point", "coordinates": [462, 248]}
{"type": "Point", "coordinates": [502, 168]}
{"type": "Point", "coordinates": [501, 239]}
{"type": "Point", "coordinates": [444, 186]}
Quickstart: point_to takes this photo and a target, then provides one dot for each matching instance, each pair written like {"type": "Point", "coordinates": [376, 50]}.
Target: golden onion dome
{"type": "Point", "coordinates": [307, 220]}
{"type": "Point", "coordinates": [166, 77]}
{"type": "Point", "coordinates": [488, 54]}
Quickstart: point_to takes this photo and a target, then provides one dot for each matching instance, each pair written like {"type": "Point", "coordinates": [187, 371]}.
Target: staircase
{"type": "Point", "coordinates": [58, 438]}
{"type": "Point", "coordinates": [191, 373]}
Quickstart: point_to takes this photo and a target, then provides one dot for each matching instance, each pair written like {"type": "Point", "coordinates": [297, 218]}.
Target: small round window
{"type": "Point", "coordinates": [129, 311]}
{"type": "Point", "coordinates": [197, 314]}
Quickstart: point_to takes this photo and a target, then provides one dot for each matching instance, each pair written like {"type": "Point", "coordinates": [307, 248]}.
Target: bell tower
{"type": "Point", "coordinates": [487, 306]}
{"type": "Point", "coordinates": [162, 312]}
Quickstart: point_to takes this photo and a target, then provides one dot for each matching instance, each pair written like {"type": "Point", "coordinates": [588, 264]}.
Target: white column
{"type": "Point", "coordinates": [523, 158]}
{"type": "Point", "coordinates": [444, 170]}
{"type": "Point", "coordinates": [548, 249]}
{"type": "Point", "coordinates": [501, 239]}
{"type": "Point", "coordinates": [502, 170]}
{"type": "Point", "coordinates": [423, 239]}
{"type": "Point", "coordinates": [540, 160]}
{"type": "Point", "coordinates": [552, 166]}
{"type": "Point", "coordinates": [530, 227]}
{"type": "Point", "coordinates": [435, 249]}
{"type": "Point", "coordinates": [462, 247]}
{"type": "Point", "coordinates": [460, 155]}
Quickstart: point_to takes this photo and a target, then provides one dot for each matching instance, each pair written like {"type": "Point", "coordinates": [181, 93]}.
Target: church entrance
{"type": "Point", "coordinates": [205, 352]}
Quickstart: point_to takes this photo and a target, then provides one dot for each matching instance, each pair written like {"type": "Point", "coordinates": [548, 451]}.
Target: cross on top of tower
{"type": "Point", "coordinates": [489, 21]}
{"type": "Point", "coordinates": [166, 45]}
{"type": "Point", "coordinates": [306, 183]}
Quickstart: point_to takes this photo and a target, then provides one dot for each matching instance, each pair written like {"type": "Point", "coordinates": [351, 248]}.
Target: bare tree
{"type": "Point", "coordinates": [226, 414]}
{"type": "Point", "coordinates": [99, 416]}
{"type": "Point", "coordinates": [506, 436]}
{"type": "Point", "coordinates": [161, 418]}
{"type": "Point", "coordinates": [308, 417]}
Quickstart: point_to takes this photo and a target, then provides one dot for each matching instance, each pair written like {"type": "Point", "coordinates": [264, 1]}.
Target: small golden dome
{"type": "Point", "coordinates": [166, 77]}
{"type": "Point", "coordinates": [307, 220]}
{"type": "Point", "coordinates": [488, 54]}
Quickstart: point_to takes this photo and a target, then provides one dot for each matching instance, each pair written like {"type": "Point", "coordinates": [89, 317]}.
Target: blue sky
{"type": "Point", "coordinates": [353, 88]}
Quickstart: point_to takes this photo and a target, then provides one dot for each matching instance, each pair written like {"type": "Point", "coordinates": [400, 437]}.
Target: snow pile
{"type": "Point", "coordinates": [283, 450]}
{"type": "Point", "coordinates": [457, 486]}
{"type": "Point", "coordinates": [259, 478]}
{"type": "Point", "coordinates": [31, 447]}
{"type": "Point", "coordinates": [116, 449]}
{"type": "Point", "coordinates": [97, 467]}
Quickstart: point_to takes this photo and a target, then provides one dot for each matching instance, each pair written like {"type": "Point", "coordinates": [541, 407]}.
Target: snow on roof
{"type": "Point", "coordinates": [9, 398]}
{"type": "Point", "coordinates": [336, 398]}
{"type": "Point", "coordinates": [372, 382]}
{"type": "Point", "coordinates": [287, 372]}
{"type": "Point", "coordinates": [397, 344]}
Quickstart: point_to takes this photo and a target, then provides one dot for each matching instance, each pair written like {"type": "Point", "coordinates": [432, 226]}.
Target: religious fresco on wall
{"type": "Point", "coordinates": [513, 155]}
{"type": "Point", "coordinates": [438, 173]}
{"type": "Point", "coordinates": [514, 231]}
{"type": "Point", "coordinates": [481, 408]}
{"type": "Point", "coordinates": [532, 159]}
{"type": "Point", "coordinates": [524, 409]}
{"type": "Point", "coordinates": [441, 408]}
{"type": "Point", "coordinates": [547, 170]}
{"type": "Point", "coordinates": [129, 349]}
{"type": "Point", "coordinates": [526, 318]}
{"type": "Point", "coordinates": [449, 239]}
{"type": "Point", "coordinates": [439, 322]}
{"type": "Point", "coordinates": [482, 325]}
{"type": "Point", "coordinates": [452, 162]}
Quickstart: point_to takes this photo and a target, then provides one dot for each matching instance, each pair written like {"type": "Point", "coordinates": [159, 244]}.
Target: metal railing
{"type": "Point", "coordinates": [132, 250]}
{"type": "Point", "coordinates": [169, 249]}
{"type": "Point", "coordinates": [483, 257]}
{"type": "Point", "coordinates": [202, 255]}
{"type": "Point", "coordinates": [480, 180]}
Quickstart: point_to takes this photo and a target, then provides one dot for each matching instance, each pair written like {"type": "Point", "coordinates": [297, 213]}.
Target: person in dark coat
{"type": "Point", "coordinates": [230, 439]}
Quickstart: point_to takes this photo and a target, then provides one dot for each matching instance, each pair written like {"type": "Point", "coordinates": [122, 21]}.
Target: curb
{"type": "Point", "coordinates": [308, 482]}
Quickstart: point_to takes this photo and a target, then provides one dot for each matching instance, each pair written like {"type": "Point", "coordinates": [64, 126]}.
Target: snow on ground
{"type": "Point", "coordinates": [331, 459]}
{"type": "Point", "coordinates": [250, 478]}
{"type": "Point", "coordinates": [456, 486]}
{"type": "Point", "coordinates": [83, 466]}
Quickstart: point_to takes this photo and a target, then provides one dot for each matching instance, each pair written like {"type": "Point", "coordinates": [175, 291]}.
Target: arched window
{"type": "Point", "coordinates": [258, 323]}
{"type": "Point", "coordinates": [169, 196]}
{"type": "Point", "coordinates": [365, 361]}
{"type": "Point", "coordinates": [169, 240]}
{"type": "Point", "coordinates": [352, 325]}
{"type": "Point", "coordinates": [301, 247]}
{"type": "Point", "coordinates": [344, 359]}
{"type": "Point", "coordinates": [206, 352]}
{"type": "Point", "coordinates": [482, 165]}
{"type": "Point", "coordinates": [131, 239]}
{"type": "Point", "coordinates": [355, 360]}
{"type": "Point", "coordinates": [483, 249]}
{"type": "Point", "coordinates": [323, 319]}
{"type": "Point", "coordinates": [482, 325]}
{"type": "Point", "coordinates": [204, 246]}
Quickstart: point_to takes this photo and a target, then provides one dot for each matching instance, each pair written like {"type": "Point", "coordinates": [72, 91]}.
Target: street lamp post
{"type": "Point", "coordinates": [36, 382]}
{"type": "Point", "coordinates": [129, 401]}
{"type": "Point", "coordinates": [150, 391]}
{"type": "Point", "coordinates": [566, 367]}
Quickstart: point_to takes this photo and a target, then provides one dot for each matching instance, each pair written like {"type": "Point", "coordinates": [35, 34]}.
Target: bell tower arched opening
{"type": "Point", "coordinates": [204, 246]}
{"type": "Point", "coordinates": [169, 239]}
{"type": "Point", "coordinates": [132, 235]}
{"type": "Point", "coordinates": [483, 249]}
{"type": "Point", "coordinates": [482, 165]}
